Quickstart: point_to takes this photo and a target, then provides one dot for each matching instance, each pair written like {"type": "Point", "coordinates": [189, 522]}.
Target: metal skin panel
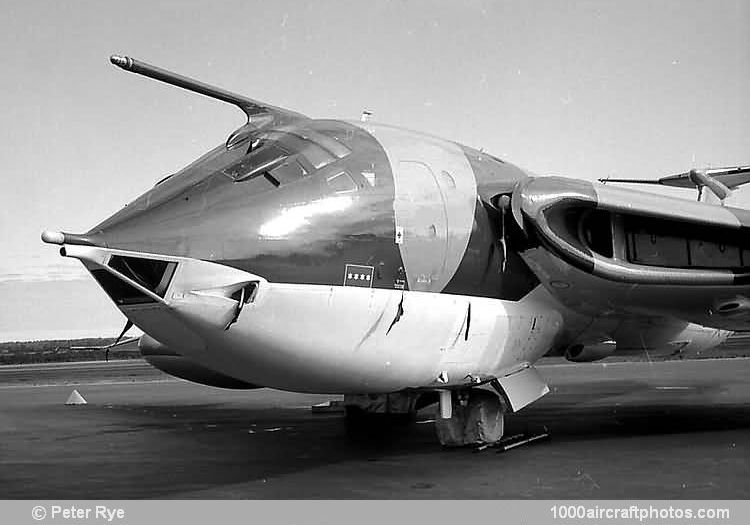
{"type": "Point", "coordinates": [341, 339]}
{"type": "Point", "coordinates": [491, 268]}
{"type": "Point", "coordinates": [593, 296]}
{"type": "Point", "coordinates": [305, 232]}
{"type": "Point", "coordinates": [613, 290]}
{"type": "Point", "coordinates": [659, 336]}
{"type": "Point", "coordinates": [343, 257]}
{"type": "Point", "coordinates": [538, 197]}
{"type": "Point", "coordinates": [625, 199]}
{"type": "Point", "coordinates": [301, 232]}
{"type": "Point", "coordinates": [523, 388]}
{"type": "Point", "coordinates": [434, 201]}
{"type": "Point", "coordinates": [354, 329]}
{"type": "Point", "coordinates": [300, 239]}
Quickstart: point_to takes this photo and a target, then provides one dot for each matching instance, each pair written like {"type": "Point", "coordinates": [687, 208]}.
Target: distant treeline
{"type": "Point", "coordinates": [58, 350]}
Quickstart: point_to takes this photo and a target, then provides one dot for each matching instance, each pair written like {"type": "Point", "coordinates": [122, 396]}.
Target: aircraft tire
{"type": "Point", "coordinates": [480, 421]}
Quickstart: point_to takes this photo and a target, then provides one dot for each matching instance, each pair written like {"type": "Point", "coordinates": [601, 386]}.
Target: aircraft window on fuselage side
{"type": "Point", "coordinates": [342, 183]}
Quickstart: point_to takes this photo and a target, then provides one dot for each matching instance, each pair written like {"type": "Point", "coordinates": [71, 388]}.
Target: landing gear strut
{"type": "Point", "coordinates": [476, 418]}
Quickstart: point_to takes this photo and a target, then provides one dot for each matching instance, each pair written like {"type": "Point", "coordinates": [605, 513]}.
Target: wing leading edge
{"type": "Point", "coordinates": [721, 181]}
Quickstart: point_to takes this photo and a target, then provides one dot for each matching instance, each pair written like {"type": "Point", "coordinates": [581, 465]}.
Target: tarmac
{"type": "Point", "coordinates": [640, 430]}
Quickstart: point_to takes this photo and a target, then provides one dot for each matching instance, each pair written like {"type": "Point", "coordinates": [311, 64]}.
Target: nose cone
{"type": "Point", "coordinates": [254, 224]}
{"type": "Point", "coordinates": [186, 215]}
{"type": "Point", "coordinates": [291, 207]}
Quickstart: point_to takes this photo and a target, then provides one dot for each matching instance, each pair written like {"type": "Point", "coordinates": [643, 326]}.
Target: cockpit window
{"type": "Point", "coordinates": [313, 154]}
{"type": "Point", "coordinates": [342, 183]}
{"type": "Point", "coordinates": [286, 155]}
{"type": "Point", "coordinates": [260, 160]}
{"type": "Point", "coordinates": [317, 149]}
{"type": "Point", "coordinates": [324, 141]}
{"type": "Point", "coordinates": [287, 172]}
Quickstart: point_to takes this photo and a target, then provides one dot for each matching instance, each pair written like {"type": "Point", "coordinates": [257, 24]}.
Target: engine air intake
{"type": "Point", "coordinates": [152, 274]}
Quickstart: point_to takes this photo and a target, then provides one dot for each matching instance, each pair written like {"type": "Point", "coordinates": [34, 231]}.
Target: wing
{"type": "Point", "coordinates": [729, 177]}
{"type": "Point", "coordinates": [607, 250]}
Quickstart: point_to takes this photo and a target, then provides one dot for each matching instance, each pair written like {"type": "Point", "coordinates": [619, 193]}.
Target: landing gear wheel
{"type": "Point", "coordinates": [478, 419]}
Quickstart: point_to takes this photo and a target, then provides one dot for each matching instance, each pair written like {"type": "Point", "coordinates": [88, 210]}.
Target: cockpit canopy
{"type": "Point", "coordinates": [282, 155]}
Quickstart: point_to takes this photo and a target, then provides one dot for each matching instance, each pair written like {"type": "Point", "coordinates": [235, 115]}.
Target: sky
{"type": "Point", "coordinates": [583, 89]}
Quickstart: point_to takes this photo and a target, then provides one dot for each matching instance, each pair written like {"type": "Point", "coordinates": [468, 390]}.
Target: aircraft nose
{"type": "Point", "coordinates": [189, 215]}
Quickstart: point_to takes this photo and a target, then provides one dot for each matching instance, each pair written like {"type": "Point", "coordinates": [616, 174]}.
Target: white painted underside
{"type": "Point", "coordinates": [347, 339]}
{"type": "Point", "coordinates": [336, 339]}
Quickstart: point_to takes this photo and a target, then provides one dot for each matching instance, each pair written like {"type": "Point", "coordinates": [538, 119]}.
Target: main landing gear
{"type": "Point", "coordinates": [471, 417]}
{"type": "Point", "coordinates": [467, 417]}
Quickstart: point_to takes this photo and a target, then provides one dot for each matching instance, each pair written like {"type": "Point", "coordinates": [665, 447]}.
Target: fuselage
{"type": "Point", "coordinates": [404, 203]}
{"type": "Point", "coordinates": [341, 257]}
{"type": "Point", "coordinates": [382, 263]}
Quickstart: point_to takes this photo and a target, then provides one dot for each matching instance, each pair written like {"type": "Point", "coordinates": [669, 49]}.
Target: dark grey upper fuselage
{"type": "Point", "coordinates": [300, 203]}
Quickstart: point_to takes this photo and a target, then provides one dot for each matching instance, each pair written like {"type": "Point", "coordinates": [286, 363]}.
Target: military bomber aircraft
{"type": "Point", "coordinates": [401, 270]}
